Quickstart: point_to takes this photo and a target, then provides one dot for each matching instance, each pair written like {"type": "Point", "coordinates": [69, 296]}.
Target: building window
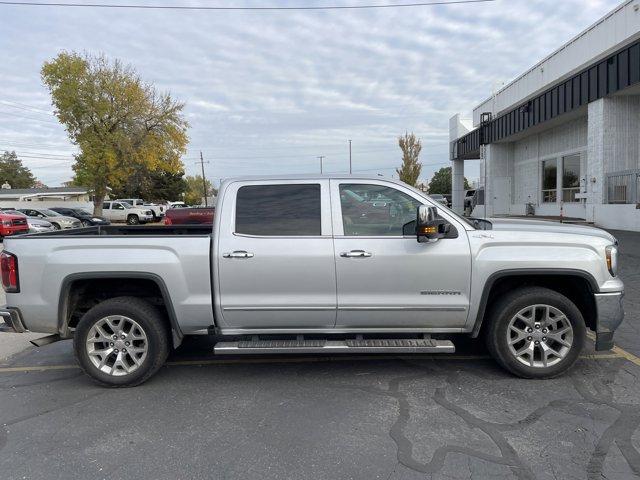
{"type": "Point", "coordinates": [550, 180]}
{"type": "Point", "coordinates": [622, 187]}
{"type": "Point", "coordinates": [570, 178]}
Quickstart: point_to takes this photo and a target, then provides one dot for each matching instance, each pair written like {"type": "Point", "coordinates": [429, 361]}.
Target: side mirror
{"type": "Point", "coordinates": [428, 226]}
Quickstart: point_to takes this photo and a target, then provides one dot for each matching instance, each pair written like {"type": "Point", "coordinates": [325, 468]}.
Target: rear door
{"type": "Point", "coordinates": [275, 265]}
{"type": "Point", "coordinates": [385, 278]}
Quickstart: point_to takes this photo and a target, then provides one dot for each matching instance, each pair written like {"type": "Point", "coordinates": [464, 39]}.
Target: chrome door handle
{"type": "Point", "coordinates": [238, 254]}
{"type": "Point", "coordinates": [355, 254]}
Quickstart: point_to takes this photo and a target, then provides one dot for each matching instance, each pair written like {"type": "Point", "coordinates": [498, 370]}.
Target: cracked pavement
{"type": "Point", "coordinates": [329, 418]}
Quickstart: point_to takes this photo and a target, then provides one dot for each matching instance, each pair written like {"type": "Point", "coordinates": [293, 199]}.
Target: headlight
{"type": "Point", "coordinates": [612, 259]}
{"type": "Point", "coordinates": [96, 219]}
{"type": "Point", "coordinates": [6, 223]}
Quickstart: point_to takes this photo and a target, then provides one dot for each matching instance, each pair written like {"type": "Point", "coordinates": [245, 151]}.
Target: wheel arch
{"type": "Point", "coordinates": [577, 285]}
{"type": "Point", "coordinates": [66, 306]}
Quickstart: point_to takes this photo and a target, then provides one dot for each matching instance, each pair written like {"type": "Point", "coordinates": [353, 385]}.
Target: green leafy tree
{"type": "Point", "coordinates": [195, 190]}
{"type": "Point", "coordinates": [410, 169]}
{"type": "Point", "coordinates": [441, 182]}
{"type": "Point", "coordinates": [121, 124]}
{"type": "Point", "coordinates": [152, 185]}
{"type": "Point", "coordinates": [14, 172]}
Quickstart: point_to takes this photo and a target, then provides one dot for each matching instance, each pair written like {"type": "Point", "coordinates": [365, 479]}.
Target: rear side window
{"type": "Point", "coordinates": [277, 210]}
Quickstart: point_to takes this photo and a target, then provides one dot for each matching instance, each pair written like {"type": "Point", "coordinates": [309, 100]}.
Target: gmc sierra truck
{"type": "Point", "coordinates": [298, 265]}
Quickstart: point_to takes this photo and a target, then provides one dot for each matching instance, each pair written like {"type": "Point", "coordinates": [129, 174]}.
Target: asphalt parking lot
{"type": "Point", "coordinates": [416, 417]}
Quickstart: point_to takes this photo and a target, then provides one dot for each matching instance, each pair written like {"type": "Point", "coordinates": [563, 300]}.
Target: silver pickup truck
{"type": "Point", "coordinates": [317, 265]}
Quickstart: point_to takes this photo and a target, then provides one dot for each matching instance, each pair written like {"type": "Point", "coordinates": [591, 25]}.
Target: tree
{"type": "Point", "coordinates": [121, 124]}
{"type": "Point", "coordinates": [410, 169]}
{"type": "Point", "coordinates": [441, 182]}
{"type": "Point", "coordinates": [13, 172]}
{"type": "Point", "coordinates": [155, 185]}
{"type": "Point", "coordinates": [194, 191]}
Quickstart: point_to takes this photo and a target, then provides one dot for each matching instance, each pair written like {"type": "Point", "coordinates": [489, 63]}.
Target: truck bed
{"type": "Point", "coordinates": [119, 230]}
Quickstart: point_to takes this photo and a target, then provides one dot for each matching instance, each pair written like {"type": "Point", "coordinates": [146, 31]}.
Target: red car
{"type": "Point", "coordinates": [12, 224]}
{"type": "Point", "coordinates": [189, 216]}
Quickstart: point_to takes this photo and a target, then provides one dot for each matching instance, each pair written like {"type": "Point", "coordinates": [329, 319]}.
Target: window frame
{"type": "Point", "coordinates": [325, 209]}
{"type": "Point", "coordinates": [336, 208]}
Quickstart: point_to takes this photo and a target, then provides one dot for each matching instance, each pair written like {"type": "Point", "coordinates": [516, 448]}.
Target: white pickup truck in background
{"type": "Point", "coordinates": [158, 211]}
{"type": "Point", "coordinates": [317, 265]}
{"type": "Point", "coordinates": [119, 211]}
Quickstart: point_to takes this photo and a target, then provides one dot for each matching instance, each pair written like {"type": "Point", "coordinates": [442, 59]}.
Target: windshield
{"type": "Point", "coordinates": [80, 211]}
{"type": "Point", "coordinates": [49, 213]}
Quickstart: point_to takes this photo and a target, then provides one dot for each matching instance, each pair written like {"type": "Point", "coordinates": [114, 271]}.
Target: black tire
{"type": "Point", "coordinates": [55, 226]}
{"type": "Point", "coordinates": [86, 223]}
{"type": "Point", "coordinates": [507, 307]}
{"type": "Point", "coordinates": [147, 317]}
{"type": "Point", "coordinates": [133, 220]}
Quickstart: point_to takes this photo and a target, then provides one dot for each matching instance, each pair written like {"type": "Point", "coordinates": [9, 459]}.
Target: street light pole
{"type": "Point", "coordinates": [321, 157]}
{"type": "Point", "coordinates": [350, 171]}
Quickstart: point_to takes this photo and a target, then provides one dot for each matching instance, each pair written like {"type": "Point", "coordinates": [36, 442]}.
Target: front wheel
{"type": "Point", "coordinates": [121, 342]}
{"type": "Point", "coordinates": [535, 332]}
{"type": "Point", "coordinates": [55, 226]}
{"type": "Point", "coordinates": [86, 223]}
{"type": "Point", "coordinates": [133, 220]}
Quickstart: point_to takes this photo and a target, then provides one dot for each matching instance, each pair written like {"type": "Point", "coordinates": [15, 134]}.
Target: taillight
{"type": "Point", "coordinates": [167, 221]}
{"type": "Point", "coordinates": [9, 268]}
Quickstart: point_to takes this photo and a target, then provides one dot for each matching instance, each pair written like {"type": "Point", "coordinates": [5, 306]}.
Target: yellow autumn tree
{"type": "Point", "coordinates": [121, 124]}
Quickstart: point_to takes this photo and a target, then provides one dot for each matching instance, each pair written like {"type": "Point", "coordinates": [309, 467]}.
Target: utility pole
{"type": "Point", "coordinates": [204, 180]}
{"type": "Point", "coordinates": [350, 171]}
{"type": "Point", "coordinates": [321, 157]}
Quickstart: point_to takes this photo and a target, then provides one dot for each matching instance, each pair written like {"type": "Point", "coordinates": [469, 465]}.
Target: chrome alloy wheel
{"type": "Point", "coordinates": [117, 345]}
{"type": "Point", "coordinates": [539, 336]}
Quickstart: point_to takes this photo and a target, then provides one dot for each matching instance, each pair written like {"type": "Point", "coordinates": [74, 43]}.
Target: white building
{"type": "Point", "coordinates": [565, 135]}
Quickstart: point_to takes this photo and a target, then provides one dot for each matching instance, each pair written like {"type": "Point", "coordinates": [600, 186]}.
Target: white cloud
{"type": "Point", "coordinates": [268, 92]}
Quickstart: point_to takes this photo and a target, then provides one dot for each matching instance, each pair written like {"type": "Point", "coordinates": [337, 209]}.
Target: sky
{"type": "Point", "coordinates": [267, 92]}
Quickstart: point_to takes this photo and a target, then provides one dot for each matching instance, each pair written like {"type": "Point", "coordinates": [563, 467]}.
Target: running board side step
{"type": "Point", "coordinates": [418, 345]}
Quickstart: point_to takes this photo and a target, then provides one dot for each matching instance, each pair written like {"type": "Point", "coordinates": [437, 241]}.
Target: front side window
{"type": "Point", "coordinates": [376, 210]}
{"type": "Point", "coordinates": [570, 177]}
{"type": "Point", "coordinates": [550, 181]}
{"type": "Point", "coordinates": [279, 210]}
{"type": "Point", "coordinates": [118, 206]}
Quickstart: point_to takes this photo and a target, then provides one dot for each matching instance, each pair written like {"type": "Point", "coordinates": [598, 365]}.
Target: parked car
{"type": "Point", "coordinates": [468, 202]}
{"type": "Point", "coordinates": [86, 218]}
{"type": "Point", "coordinates": [59, 222]}
{"type": "Point", "coordinates": [176, 205]}
{"type": "Point", "coordinates": [157, 210]}
{"type": "Point", "coordinates": [12, 224]}
{"type": "Point", "coordinates": [440, 199]}
{"type": "Point", "coordinates": [285, 270]}
{"type": "Point", "coordinates": [115, 211]}
{"type": "Point", "coordinates": [36, 225]}
{"type": "Point", "coordinates": [189, 216]}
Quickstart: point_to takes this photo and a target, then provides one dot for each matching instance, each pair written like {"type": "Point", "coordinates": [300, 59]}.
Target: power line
{"type": "Point", "coordinates": [12, 114]}
{"type": "Point", "coordinates": [28, 108]}
{"type": "Point", "coordinates": [191, 7]}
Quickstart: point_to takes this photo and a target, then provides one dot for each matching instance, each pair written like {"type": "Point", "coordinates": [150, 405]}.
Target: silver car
{"type": "Point", "coordinates": [58, 221]}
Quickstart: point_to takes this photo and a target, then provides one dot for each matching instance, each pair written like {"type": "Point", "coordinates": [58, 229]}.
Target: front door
{"type": "Point", "coordinates": [385, 278]}
{"type": "Point", "coordinates": [275, 256]}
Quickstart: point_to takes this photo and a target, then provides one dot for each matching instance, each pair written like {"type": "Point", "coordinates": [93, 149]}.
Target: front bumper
{"type": "Point", "coordinates": [12, 320]}
{"type": "Point", "coordinates": [610, 313]}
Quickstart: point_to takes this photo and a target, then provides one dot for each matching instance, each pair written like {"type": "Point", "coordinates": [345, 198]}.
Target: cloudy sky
{"type": "Point", "coordinates": [268, 92]}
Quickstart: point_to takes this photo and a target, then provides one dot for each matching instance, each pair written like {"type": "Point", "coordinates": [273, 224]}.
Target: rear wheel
{"type": "Point", "coordinates": [133, 220]}
{"type": "Point", "coordinates": [535, 333]}
{"type": "Point", "coordinates": [121, 342]}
